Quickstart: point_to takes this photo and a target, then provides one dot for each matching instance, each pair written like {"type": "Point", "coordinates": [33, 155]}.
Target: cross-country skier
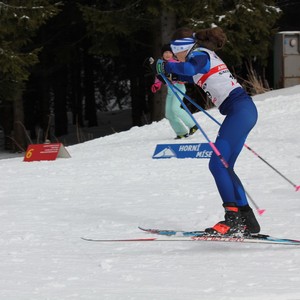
{"type": "Point", "coordinates": [200, 64]}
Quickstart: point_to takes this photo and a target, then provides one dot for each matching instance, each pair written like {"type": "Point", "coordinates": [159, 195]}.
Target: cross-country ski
{"type": "Point", "coordinates": [258, 239]}
{"type": "Point", "coordinates": [197, 236]}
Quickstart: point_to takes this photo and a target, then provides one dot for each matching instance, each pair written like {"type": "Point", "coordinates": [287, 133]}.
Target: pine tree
{"type": "Point", "coordinates": [130, 31]}
{"type": "Point", "coordinates": [19, 22]}
{"type": "Point", "coordinates": [250, 26]}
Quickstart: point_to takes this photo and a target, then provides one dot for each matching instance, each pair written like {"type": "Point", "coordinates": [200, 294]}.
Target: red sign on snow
{"type": "Point", "coordinates": [37, 152]}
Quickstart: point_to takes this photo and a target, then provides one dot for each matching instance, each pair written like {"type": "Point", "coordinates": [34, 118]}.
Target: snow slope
{"type": "Point", "coordinates": [111, 185]}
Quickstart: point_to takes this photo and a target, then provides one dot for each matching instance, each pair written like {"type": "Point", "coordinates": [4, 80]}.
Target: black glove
{"type": "Point", "coordinates": [157, 66]}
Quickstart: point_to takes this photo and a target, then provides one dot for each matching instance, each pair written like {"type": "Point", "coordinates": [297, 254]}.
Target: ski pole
{"type": "Point", "coordinates": [212, 145]}
{"type": "Point", "coordinates": [259, 210]}
{"type": "Point", "coordinates": [297, 187]}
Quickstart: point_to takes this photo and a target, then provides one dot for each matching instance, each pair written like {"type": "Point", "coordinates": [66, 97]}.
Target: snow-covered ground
{"type": "Point", "coordinates": [112, 185]}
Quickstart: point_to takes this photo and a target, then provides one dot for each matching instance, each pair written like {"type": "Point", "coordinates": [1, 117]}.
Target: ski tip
{"type": "Point", "coordinates": [297, 188]}
{"type": "Point", "coordinates": [261, 211]}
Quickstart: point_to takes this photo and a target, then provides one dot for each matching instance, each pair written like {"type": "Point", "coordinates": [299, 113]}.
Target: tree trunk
{"type": "Point", "coordinates": [6, 121]}
{"type": "Point", "coordinates": [60, 102]}
{"type": "Point", "coordinates": [19, 130]}
{"type": "Point", "coordinates": [167, 27]}
{"type": "Point", "coordinates": [136, 73]}
{"type": "Point", "coordinates": [89, 90]}
{"type": "Point", "coordinates": [137, 98]}
{"type": "Point", "coordinates": [76, 93]}
{"type": "Point", "coordinates": [44, 104]}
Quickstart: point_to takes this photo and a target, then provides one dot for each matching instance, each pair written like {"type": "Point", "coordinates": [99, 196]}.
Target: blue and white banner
{"type": "Point", "coordinates": [202, 150]}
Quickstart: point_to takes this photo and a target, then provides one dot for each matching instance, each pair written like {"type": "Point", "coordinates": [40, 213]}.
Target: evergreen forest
{"type": "Point", "coordinates": [70, 59]}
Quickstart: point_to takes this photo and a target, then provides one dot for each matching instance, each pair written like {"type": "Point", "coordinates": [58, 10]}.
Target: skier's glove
{"type": "Point", "coordinates": [157, 66]}
{"type": "Point", "coordinates": [156, 86]}
{"type": "Point", "coordinates": [160, 67]}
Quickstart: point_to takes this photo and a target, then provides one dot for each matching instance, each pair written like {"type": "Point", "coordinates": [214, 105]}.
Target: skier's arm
{"type": "Point", "coordinates": [198, 62]}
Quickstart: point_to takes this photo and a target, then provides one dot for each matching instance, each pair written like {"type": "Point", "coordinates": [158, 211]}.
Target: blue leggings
{"type": "Point", "coordinates": [240, 119]}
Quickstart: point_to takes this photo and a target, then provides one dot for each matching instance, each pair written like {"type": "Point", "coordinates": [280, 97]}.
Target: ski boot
{"type": "Point", "coordinates": [232, 225]}
{"type": "Point", "coordinates": [179, 137]}
{"type": "Point", "coordinates": [249, 219]}
{"type": "Point", "coordinates": [193, 130]}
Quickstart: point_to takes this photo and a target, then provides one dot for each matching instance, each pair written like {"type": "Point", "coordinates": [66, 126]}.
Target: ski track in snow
{"type": "Point", "coordinates": [111, 185]}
